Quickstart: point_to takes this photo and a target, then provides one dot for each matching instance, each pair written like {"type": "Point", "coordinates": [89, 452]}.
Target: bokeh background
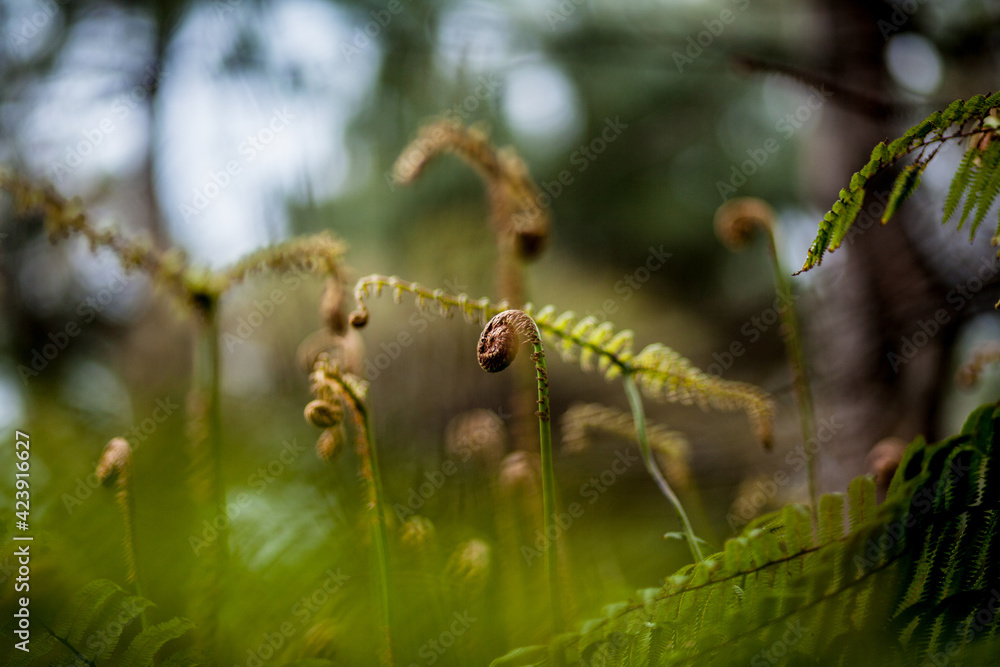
{"type": "Point", "coordinates": [221, 127]}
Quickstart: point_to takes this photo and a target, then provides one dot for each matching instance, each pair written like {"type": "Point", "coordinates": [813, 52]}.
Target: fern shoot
{"type": "Point", "coordinates": [332, 387]}
{"type": "Point", "coordinates": [735, 223]}
{"type": "Point", "coordinates": [115, 469]}
{"type": "Point", "coordinates": [496, 350]}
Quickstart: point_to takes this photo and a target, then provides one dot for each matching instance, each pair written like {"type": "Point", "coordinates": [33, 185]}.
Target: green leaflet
{"type": "Point", "coordinates": [143, 649]}
{"type": "Point", "coordinates": [977, 178]}
{"type": "Point", "coordinates": [92, 623]}
{"type": "Point", "coordinates": [904, 584]}
{"type": "Point", "coordinates": [905, 184]}
{"type": "Point", "coordinates": [660, 372]}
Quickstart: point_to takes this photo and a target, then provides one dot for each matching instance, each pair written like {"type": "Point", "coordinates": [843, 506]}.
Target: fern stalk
{"type": "Point", "coordinates": [128, 509]}
{"type": "Point", "coordinates": [368, 454]}
{"type": "Point", "coordinates": [207, 443]}
{"type": "Point", "coordinates": [115, 469]}
{"type": "Point", "coordinates": [735, 222]}
{"type": "Point", "coordinates": [497, 348]}
{"type": "Point", "coordinates": [639, 417]}
{"type": "Point", "coordinates": [795, 349]}
{"type": "Point", "coordinates": [548, 478]}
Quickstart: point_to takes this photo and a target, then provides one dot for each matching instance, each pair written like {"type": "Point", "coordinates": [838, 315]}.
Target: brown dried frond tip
{"type": "Point", "coordinates": [738, 219]}
{"type": "Point", "coordinates": [115, 462]}
{"type": "Point", "coordinates": [515, 201]}
{"type": "Point", "coordinates": [359, 319]}
{"type": "Point", "coordinates": [499, 341]}
{"type": "Point", "coordinates": [330, 444]}
{"type": "Point", "coordinates": [323, 414]}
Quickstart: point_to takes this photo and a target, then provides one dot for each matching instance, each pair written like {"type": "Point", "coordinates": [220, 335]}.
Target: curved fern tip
{"type": "Point", "coordinates": [115, 462]}
{"type": "Point", "coordinates": [500, 340]}
{"type": "Point", "coordinates": [738, 219]}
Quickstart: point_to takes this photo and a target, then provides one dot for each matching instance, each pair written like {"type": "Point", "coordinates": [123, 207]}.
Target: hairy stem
{"type": "Point", "coordinates": [639, 416]}
{"type": "Point", "coordinates": [548, 482]}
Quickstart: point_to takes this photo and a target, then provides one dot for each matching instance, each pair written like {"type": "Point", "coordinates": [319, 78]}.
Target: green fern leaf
{"type": "Point", "coordinates": [115, 620]}
{"type": "Point", "coordinates": [989, 184]}
{"type": "Point", "coordinates": [960, 183]}
{"type": "Point", "coordinates": [144, 646]}
{"type": "Point", "coordinates": [934, 129]}
{"type": "Point", "coordinates": [916, 568]}
{"type": "Point", "coordinates": [905, 184]}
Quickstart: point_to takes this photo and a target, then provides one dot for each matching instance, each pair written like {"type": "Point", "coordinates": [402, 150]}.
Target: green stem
{"type": "Point", "coordinates": [381, 538]}
{"type": "Point", "coordinates": [376, 508]}
{"type": "Point", "coordinates": [639, 416]}
{"type": "Point", "coordinates": [128, 508]}
{"type": "Point", "coordinates": [548, 481]}
{"type": "Point", "coordinates": [207, 376]}
{"type": "Point", "coordinates": [797, 359]}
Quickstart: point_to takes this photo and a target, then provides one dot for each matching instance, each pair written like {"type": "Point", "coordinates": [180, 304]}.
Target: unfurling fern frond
{"type": "Point", "coordinates": [672, 448]}
{"type": "Point", "coordinates": [321, 253]}
{"type": "Point", "coordinates": [662, 373]}
{"type": "Point", "coordinates": [64, 217]}
{"type": "Point", "coordinates": [90, 627]}
{"type": "Point", "coordinates": [514, 198]}
{"type": "Point", "coordinates": [192, 286]}
{"type": "Point", "coordinates": [905, 580]}
{"type": "Point", "coordinates": [976, 178]}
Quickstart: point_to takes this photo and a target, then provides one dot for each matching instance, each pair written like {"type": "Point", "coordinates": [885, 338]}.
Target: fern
{"type": "Point", "coordinates": [984, 189]}
{"type": "Point", "coordinates": [662, 373]}
{"type": "Point", "coordinates": [920, 568]}
{"type": "Point", "coordinates": [671, 447]}
{"type": "Point", "coordinates": [905, 184]}
{"type": "Point", "coordinates": [90, 626]}
{"type": "Point", "coordinates": [976, 178]}
{"type": "Point", "coordinates": [143, 649]}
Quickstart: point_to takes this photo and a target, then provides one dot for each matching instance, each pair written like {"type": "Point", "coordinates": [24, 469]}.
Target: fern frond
{"type": "Point", "coordinates": [960, 182]}
{"type": "Point", "coordinates": [661, 372]}
{"type": "Point", "coordinates": [321, 253]}
{"type": "Point", "coordinates": [116, 620]}
{"type": "Point", "coordinates": [907, 181]}
{"type": "Point", "coordinates": [64, 217]}
{"type": "Point", "coordinates": [671, 447]}
{"type": "Point", "coordinates": [89, 628]}
{"type": "Point", "coordinates": [962, 118]}
{"type": "Point", "coordinates": [985, 188]}
{"type": "Point", "coordinates": [143, 648]}
{"type": "Point", "coordinates": [514, 198]}
{"type": "Point", "coordinates": [916, 568]}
